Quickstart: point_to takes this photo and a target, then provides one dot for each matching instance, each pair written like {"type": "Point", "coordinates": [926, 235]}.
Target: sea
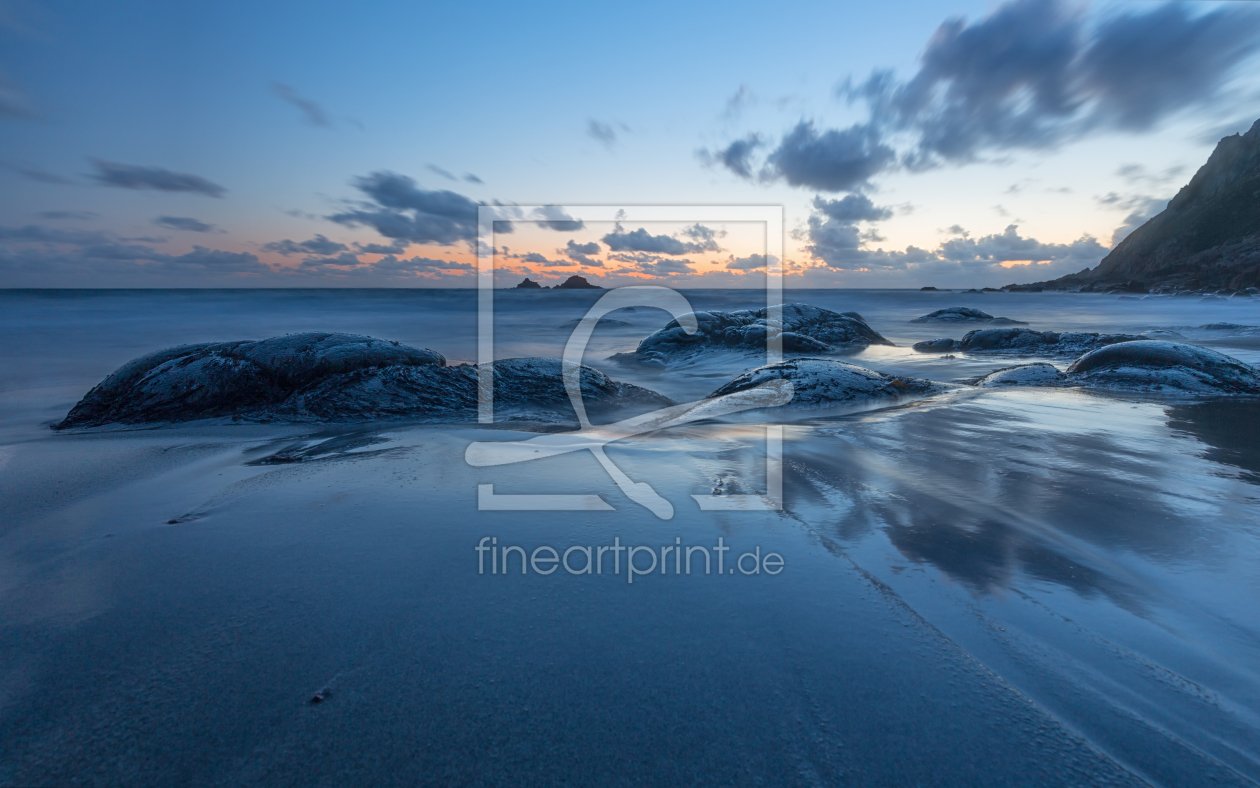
{"type": "Point", "coordinates": [1016, 586]}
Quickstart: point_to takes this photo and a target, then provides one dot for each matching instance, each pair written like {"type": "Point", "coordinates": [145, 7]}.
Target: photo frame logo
{"type": "Point", "coordinates": [594, 438]}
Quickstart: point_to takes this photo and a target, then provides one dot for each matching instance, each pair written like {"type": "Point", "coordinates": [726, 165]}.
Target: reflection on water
{"type": "Point", "coordinates": [1230, 428]}
{"type": "Point", "coordinates": [1061, 488]}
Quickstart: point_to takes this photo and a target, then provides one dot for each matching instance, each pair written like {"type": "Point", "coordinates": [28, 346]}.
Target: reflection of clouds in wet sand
{"type": "Point", "coordinates": [1020, 483]}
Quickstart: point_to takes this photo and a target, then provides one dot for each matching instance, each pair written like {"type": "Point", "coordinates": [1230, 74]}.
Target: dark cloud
{"type": "Point", "coordinates": [1033, 74]}
{"type": "Point", "coordinates": [704, 239]}
{"type": "Point", "coordinates": [35, 233]}
{"type": "Point", "coordinates": [470, 178]}
{"type": "Point", "coordinates": [554, 217]}
{"type": "Point", "coordinates": [68, 215]}
{"type": "Point", "coordinates": [418, 265]}
{"type": "Point", "coordinates": [396, 248]}
{"type": "Point", "coordinates": [538, 259]}
{"type": "Point", "coordinates": [750, 263]}
{"type": "Point", "coordinates": [312, 113]}
{"type": "Point", "coordinates": [184, 223]}
{"type": "Point", "coordinates": [318, 245]}
{"type": "Point", "coordinates": [436, 170]}
{"type": "Point", "coordinates": [832, 230]}
{"type": "Point", "coordinates": [343, 260]}
{"type": "Point", "coordinates": [833, 160]}
{"type": "Point", "coordinates": [129, 176]}
{"type": "Point", "coordinates": [581, 253]}
{"type": "Point", "coordinates": [852, 208]}
{"type": "Point", "coordinates": [736, 157]}
{"type": "Point", "coordinates": [641, 240]}
{"type": "Point", "coordinates": [398, 208]}
{"type": "Point", "coordinates": [1010, 245]}
{"type": "Point", "coordinates": [652, 265]}
{"type": "Point", "coordinates": [603, 133]}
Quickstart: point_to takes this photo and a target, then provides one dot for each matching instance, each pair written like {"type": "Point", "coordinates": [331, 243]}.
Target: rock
{"type": "Point", "coordinates": [805, 329]}
{"type": "Point", "coordinates": [929, 289]}
{"type": "Point", "coordinates": [1155, 365]}
{"type": "Point", "coordinates": [1027, 341]}
{"type": "Point", "coordinates": [529, 284]}
{"type": "Point", "coordinates": [331, 378]}
{"type": "Point", "coordinates": [964, 314]}
{"type": "Point", "coordinates": [1161, 333]}
{"type": "Point", "coordinates": [936, 345]}
{"type": "Point", "coordinates": [822, 382]}
{"type": "Point", "coordinates": [321, 696]}
{"type": "Point", "coordinates": [1024, 375]}
{"type": "Point", "coordinates": [577, 283]}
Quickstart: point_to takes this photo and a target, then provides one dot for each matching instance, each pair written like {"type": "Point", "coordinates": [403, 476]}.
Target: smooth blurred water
{"type": "Point", "coordinates": [985, 587]}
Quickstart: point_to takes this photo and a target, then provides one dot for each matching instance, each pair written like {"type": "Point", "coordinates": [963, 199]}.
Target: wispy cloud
{"type": "Point", "coordinates": [312, 112]}
{"type": "Point", "coordinates": [130, 176]}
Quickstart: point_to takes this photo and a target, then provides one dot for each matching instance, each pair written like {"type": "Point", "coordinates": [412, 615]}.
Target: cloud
{"type": "Point", "coordinates": [704, 239]}
{"type": "Point", "coordinates": [184, 223]}
{"type": "Point", "coordinates": [398, 247]}
{"type": "Point", "coordinates": [538, 259]}
{"type": "Point", "coordinates": [601, 132]}
{"type": "Point", "coordinates": [436, 170]}
{"type": "Point", "coordinates": [128, 176]}
{"type": "Point", "coordinates": [312, 113]}
{"type": "Point", "coordinates": [832, 230]}
{"type": "Point", "coordinates": [318, 245]}
{"type": "Point", "coordinates": [641, 240]}
{"type": "Point", "coordinates": [736, 103]}
{"type": "Point", "coordinates": [398, 208]}
{"type": "Point", "coordinates": [68, 215]}
{"type": "Point", "coordinates": [831, 161]}
{"type": "Point", "coordinates": [852, 208]}
{"type": "Point", "coordinates": [1031, 75]}
{"type": "Point", "coordinates": [659, 266]}
{"type": "Point", "coordinates": [750, 263]}
{"type": "Point", "coordinates": [554, 217]}
{"type": "Point", "coordinates": [35, 233]}
{"type": "Point", "coordinates": [470, 178]}
{"type": "Point", "coordinates": [581, 253]}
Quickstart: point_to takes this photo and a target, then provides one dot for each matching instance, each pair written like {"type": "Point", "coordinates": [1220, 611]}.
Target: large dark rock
{"type": "Point", "coordinates": [1040, 374]}
{"type": "Point", "coordinates": [1207, 237]}
{"type": "Point", "coordinates": [333, 377]}
{"type": "Point", "coordinates": [821, 382]}
{"type": "Point", "coordinates": [529, 284]}
{"type": "Point", "coordinates": [965, 314]}
{"type": "Point", "coordinates": [1155, 365]}
{"type": "Point", "coordinates": [805, 329]}
{"type": "Point", "coordinates": [1024, 341]}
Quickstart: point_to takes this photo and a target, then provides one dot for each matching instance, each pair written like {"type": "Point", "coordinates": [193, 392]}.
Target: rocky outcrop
{"type": "Point", "coordinates": [1157, 366]}
{"type": "Point", "coordinates": [1208, 237]}
{"type": "Point", "coordinates": [332, 378]}
{"type": "Point", "coordinates": [804, 329]}
{"type": "Point", "coordinates": [529, 284]}
{"type": "Point", "coordinates": [1024, 375]}
{"type": "Point", "coordinates": [821, 382]}
{"type": "Point", "coordinates": [964, 314]}
{"type": "Point", "coordinates": [577, 283]}
{"type": "Point", "coordinates": [1025, 341]}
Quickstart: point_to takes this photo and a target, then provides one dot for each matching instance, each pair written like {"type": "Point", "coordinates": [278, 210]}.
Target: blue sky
{"type": "Point", "coordinates": [160, 144]}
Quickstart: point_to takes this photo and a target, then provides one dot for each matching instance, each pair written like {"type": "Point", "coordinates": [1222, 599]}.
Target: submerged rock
{"type": "Point", "coordinates": [1025, 341]}
{"type": "Point", "coordinates": [805, 329]}
{"type": "Point", "coordinates": [965, 314]}
{"type": "Point", "coordinates": [333, 377]}
{"type": "Point", "coordinates": [1155, 365]}
{"type": "Point", "coordinates": [1040, 374]}
{"type": "Point", "coordinates": [821, 382]}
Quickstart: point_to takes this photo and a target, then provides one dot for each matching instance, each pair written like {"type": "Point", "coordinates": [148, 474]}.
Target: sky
{"type": "Point", "coordinates": [323, 144]}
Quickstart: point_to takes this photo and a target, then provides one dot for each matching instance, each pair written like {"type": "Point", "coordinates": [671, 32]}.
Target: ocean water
{"type": "Point", "coordinates": [988, 587]}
